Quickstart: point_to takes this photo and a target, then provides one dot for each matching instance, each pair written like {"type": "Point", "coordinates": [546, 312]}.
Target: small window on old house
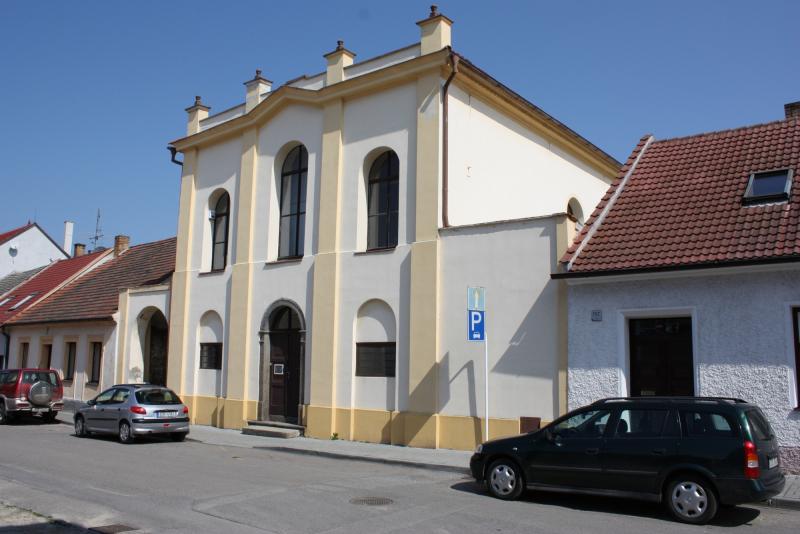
{"type": "Point", "coordinates": [771, 186]}
{"type": "Point", "coordinates": [210, 355]}
{"type": "Point", "coordinates": [97, 359]}
{"type": "Point", "coordinates": [375, 359]}
{"type": "Point", "coordinates": [69, 365]}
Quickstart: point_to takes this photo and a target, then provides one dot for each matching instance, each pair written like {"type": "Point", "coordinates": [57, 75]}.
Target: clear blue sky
{"type": "Point", "coordinates": [91, 92]}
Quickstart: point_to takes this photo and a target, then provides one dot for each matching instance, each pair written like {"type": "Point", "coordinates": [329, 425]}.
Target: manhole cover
{"type": "Point", "coordinates": [372, 501]}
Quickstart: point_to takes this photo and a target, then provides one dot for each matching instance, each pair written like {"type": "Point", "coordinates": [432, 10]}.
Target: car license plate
{"type": "Point", "coordinates": [772, 462]}
{"type": "Point", "coordinates": [167, 415]}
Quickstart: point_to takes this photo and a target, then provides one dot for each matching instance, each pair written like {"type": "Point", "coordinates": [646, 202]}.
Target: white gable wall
{"type": "Point", "coordinates": [33, 249]}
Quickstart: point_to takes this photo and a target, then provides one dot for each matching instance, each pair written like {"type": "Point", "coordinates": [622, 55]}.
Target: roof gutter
{"type": "Point", "coordinates": [174, 151]}
{"type": "Point", "coordinates": [453, 59]}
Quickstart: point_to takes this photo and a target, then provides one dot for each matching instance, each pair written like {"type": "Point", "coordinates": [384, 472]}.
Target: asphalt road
{"type": "Point", "coordinates": [191, 487]}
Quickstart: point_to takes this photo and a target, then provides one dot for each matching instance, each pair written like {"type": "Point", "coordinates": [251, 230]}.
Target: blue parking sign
{"type": "Point", "coordinates": [475, 325]}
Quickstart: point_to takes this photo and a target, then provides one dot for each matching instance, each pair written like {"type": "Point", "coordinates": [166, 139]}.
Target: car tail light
{"type": "Point", "coordinates": [138, 409]}
{"type": "Point", "coordinates": [751, 468]}
{"type": "Point", "coordinates": [186, 409]}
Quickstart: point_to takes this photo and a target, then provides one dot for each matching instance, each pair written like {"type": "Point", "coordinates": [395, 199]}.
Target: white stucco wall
{"type": "Point", "coordinates": [512, 261]}
{"type": "Point", "coordinates": [742, 332]}
{"type": "Point", "coordinates": [500, 170]}
{"type": "Point", "coordinates": [141, 304]}
{"type": "Point", "coordinates": [58, 336]}
{"type": "Point", "coordinates": [33, 249]}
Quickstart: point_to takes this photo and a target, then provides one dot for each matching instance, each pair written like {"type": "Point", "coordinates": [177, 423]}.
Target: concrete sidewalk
{"type": "Point", "coordinates": [439, 459]}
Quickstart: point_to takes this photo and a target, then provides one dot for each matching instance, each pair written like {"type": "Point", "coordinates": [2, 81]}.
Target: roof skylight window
{"type": "Point", "coordinates": [770, 186]}
{"type": "Point", "coordinates": [5, 301]}
{"type": "Point", "coordinates": [21, 302]}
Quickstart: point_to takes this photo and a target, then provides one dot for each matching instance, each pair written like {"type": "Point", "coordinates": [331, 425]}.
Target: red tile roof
{"type": "Point", "coordinates": [95, 296]}
{"type": "Point", "coordinates": [43, 283]}
{"type": "Point", "coordinates": [5, 236]}
{"type": "Point", "coordinates": [682, 205]}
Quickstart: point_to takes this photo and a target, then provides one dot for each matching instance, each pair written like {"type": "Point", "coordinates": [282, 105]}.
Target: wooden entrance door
{"type": "Point", "coordinates": [284, 367]}
{"type": "Point", "coordinates": [157, 357]}
{"type": "Point", "coordinates": [661, 361]}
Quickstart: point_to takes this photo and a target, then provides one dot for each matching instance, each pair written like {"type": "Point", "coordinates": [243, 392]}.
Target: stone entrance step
{"type": "Point", "coordinates": [273, 429]}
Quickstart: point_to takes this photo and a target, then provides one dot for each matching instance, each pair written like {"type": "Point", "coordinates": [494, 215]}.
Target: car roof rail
{"type": "Point", "coordinates": [654, 398]}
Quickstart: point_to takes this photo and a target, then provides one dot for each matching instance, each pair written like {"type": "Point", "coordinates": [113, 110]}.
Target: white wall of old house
{"type": "Point", "coordinates": [28, 250]}
{"type": "Point", "coordinates": [742, 330]}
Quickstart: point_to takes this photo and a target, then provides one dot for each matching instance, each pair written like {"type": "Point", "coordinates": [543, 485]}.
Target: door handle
{"type": "Point", "coordinates": [592, 451]}
{"type": "Point", "coordinates": [659, 452]}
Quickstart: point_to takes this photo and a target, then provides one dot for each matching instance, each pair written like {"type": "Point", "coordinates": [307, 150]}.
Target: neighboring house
{"type": "Point", "coordinates": [10, 281]}
{"type": "Point", "coordinates": [26, 248]}
{"type": "Point", "coordinates": [23, 295]}
{"type": "Point", "coordinates": [686, 279]}
{"type": "Point", "coordinates": [107, 326]}
{"type": "Point", "coordinates": [329, 230]}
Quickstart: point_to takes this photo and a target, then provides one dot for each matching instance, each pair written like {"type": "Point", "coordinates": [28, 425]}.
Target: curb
{"type": "Point", "coordinates": [388, 461]}
{"type": "Point", "coordinates": [786, 504]}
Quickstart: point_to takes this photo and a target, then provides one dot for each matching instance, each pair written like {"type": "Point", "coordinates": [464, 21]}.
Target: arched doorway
{"type": "Point", "coordinates": [155, 349]}
{"type": "Point", "coordinates": [282, 363]}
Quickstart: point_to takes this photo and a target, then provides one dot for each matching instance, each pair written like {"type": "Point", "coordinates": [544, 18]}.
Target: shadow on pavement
{"type": "Point", "coordinates": [51, 527]}
{"type": "Point", "coordinates": [726, 516]}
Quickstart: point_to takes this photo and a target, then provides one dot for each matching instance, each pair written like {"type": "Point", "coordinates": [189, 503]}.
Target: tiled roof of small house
{"type": "Point", "coordinates": [95, 296]}
{"type": "Point", "coordinates": [49, 278]}
{"type": "Point", "coordinates": [12, 280]}
{"type": "Point", "coordinates": [679, 203]}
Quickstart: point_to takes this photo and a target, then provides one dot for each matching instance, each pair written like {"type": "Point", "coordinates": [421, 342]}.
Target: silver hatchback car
{"type": "Point", "coordinates": [131, 410]}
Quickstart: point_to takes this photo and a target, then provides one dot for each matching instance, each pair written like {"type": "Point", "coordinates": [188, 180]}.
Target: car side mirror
{"type": "Point", "coordinates": [548, 435]}
{"type": "Point", "coordinates": [91, 402]}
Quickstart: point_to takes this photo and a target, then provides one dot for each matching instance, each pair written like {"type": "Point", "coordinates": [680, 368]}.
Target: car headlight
{"type": "Point", "coordinates": [479, 449]}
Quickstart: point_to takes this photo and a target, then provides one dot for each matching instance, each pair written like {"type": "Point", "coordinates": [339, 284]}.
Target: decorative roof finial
{"type": "Point", "coordinates": [339, 45]}
{"type": "Point", "coordinates": [258, 73]}
{"type": "Point", "coordinates": [198, 101]}
{"type": "Point", "coordinates": [434, 11]}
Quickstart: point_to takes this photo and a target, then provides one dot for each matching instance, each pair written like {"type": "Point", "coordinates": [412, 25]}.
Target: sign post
{"type": "Point", "coordinates": [476, 331]}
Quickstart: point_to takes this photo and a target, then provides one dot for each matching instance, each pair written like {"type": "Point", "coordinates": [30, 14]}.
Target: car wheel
{"type": "Point", "coordinates": [80, 427]}
{"type": "Point", "coordinates": [178, 436]}
{"type": "Point", "coordinates": [691, 499]}
{"type": "Point", "coordinates": [504, 479]}
{"type": "Point", "coordinates": [49, 417]}
{"type": "Point", "coordinates": [125, 434]}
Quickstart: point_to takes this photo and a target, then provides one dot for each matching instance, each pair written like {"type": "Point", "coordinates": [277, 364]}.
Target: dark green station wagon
{"type": "Point", "coordinates": [692, 453]}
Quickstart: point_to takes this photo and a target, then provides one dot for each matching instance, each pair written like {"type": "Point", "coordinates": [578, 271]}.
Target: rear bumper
{"type": "Point", "coordinates": [23, 406]}
{"type": "Point", "coordinates": [741, 491]}
{"type": "Point", "coordinates": [160, 427]}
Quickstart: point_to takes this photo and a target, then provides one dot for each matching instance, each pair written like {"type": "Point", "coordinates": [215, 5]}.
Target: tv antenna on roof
{"type": "Point", "coordinates": [98, 232]}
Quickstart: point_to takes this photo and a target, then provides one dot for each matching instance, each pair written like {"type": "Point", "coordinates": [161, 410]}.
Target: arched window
{"type": "Point", "coordinates": [219, 234]}
{"type": "Point", "coordinates": [382, 200]}
{"type": "Point", "coordinates": [293, 203]}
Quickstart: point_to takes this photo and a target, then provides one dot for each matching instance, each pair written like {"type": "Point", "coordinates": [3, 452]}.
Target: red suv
{"type": "Point", "coordinates": [28, 392]}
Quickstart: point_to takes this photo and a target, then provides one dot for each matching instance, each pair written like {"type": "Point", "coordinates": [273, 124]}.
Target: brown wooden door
{"type": "Point", "coordinates": [661, 360]}
{"type": "Point", "coordinates": [284, 368]}
{"type": "Point", "coordinates": [157, 366]}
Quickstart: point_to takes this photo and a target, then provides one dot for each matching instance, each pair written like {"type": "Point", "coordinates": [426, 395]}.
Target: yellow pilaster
{"type": "Point", "coordinates": [420, 426]}
{"type": "Point", "coordinates": [122, 337]}
{"type": "Point", "coordinates": [240, 331]}
{"type": "Point", "coordinates": [181, 281]}
{"type": "Point", "coordinates": [321, 417]}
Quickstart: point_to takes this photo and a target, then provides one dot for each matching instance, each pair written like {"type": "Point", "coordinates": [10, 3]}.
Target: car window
{"type": "Point", "coordinates": [30, 377]}
{"type": "Point", "coordinates": [583, 425]}
{"type": "Point", "coordinates": [640, 423]}
{"type": "Point", "coordinates": [707, 424]}
{"type": "Point", "coordinates": [105, 396]}
{"type": "Point", "coordinates": [11, 377]}
{"type": "Point", "coordinates": [157, 396]}
{"type": "Point", "coordinates": [121, 395]}
{"type": "Point", "coordinates": [759, 425]}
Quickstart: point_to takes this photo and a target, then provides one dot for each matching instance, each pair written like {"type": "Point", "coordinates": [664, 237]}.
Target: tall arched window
{"type": "Point", "coordinates": [382, 201]}
{"type": "Point", "coordinates": [219, 234]}
{"type": "Point", "coordinates": [293, 203]}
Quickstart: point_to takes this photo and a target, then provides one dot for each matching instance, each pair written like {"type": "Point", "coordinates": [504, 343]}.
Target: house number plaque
{"type": "Point", "coordinates": [277, 369]}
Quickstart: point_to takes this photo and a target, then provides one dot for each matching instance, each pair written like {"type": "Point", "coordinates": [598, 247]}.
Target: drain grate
{"type": "Point", "coordinates": [372, 501]}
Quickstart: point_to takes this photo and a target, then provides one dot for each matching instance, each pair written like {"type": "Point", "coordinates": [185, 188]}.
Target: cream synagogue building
{"type": "Point", "coordinates": [328, 232]}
